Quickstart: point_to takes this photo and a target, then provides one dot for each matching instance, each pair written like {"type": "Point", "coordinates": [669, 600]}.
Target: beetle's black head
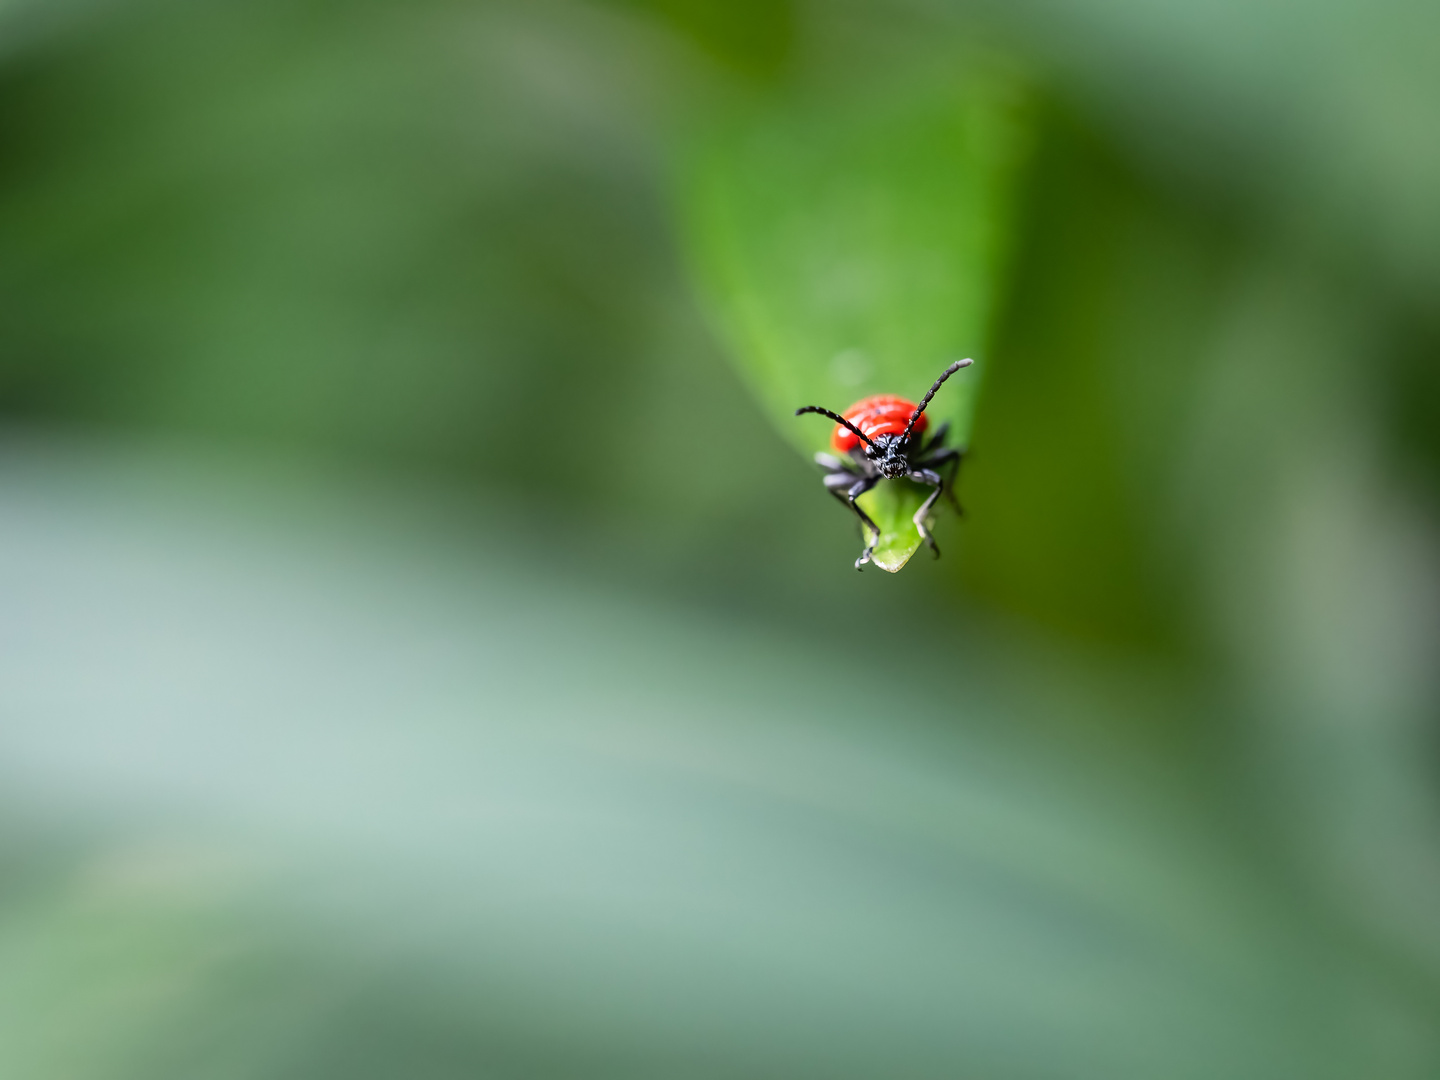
{"type": "Point", "coordinates": [889, 456]}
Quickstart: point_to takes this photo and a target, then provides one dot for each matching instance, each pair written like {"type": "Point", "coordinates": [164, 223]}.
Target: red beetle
{"type": "Point", "coordinates": [879, 414]}
{"type": "Point", "coordinates": [876, 433]}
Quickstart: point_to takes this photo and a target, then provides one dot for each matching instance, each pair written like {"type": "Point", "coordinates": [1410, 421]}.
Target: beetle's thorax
{"type": "Point", "coordinates": [889, 456]}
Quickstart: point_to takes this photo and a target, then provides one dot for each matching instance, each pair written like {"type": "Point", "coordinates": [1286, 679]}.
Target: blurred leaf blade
{"type": "Point", "coordinates": [856, 247]}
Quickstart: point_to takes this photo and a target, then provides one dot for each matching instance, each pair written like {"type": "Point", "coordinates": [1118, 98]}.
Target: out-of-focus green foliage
{"type": "Point", "coordinates": [405, 804]}
{"type": "Point", "coordinates": [756, 38]}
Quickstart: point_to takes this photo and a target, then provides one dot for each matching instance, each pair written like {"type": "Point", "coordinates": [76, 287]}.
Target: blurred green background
{"type": "Point", "coordinates": [422, 656]}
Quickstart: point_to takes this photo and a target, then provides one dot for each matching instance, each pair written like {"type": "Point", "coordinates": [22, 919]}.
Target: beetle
{"type": "Point", "coordinates": [882, 438]}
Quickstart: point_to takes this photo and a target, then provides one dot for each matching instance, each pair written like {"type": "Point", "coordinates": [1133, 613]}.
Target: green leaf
{"type": "Point", "coordinates": [851, 245]}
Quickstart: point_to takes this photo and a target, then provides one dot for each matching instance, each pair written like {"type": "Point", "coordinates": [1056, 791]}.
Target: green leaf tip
{"type": "Point", "coordinates": [851, 242]}
{"type": "Point", "coordinates": [892, 504]}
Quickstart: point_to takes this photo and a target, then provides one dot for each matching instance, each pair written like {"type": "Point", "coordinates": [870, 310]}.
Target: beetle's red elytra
{"type": "Point", "coordinates": [880, 436]}
{"type": "Point", "coordinates": [879, 414]}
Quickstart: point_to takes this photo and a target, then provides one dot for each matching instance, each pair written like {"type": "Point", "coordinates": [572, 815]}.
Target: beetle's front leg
{"type": "Point", "coordinates": [860, 487]}
{"type": "Point", "coordinates": [845, 477]}
{"type": "Point", "coordinates": [935, 480]}
{"type": "Point", "coordinates": [935, 442]}
{"type": "Point", "coordinates": [939, 460]}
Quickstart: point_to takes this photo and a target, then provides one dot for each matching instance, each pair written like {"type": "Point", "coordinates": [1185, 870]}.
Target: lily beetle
{"type": "Point", "coordinates": [882, 438]}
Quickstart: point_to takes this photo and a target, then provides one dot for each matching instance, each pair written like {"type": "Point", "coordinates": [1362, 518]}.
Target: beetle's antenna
{"type": "Point", "coordinates": [838, 419]}
{"type": "Point", "coordinates": [956, 366]}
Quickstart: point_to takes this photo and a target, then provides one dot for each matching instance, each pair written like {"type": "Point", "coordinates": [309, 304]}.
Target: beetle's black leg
{"type": "Point", "coordinates": [938, 461]}
{"type": "Point", "coordinates": [935, 441]}
{"type": "Point", "coordinates": [950, 484]}
{"type": "Point", "coordinates": [940, 457]}
{"type": "Point", "coordinates": [857, 489]}
{"type": "Point", "coordinates": [864, 523]}
{"type": "Point", "coordinates": [852, 479]}
{"type": "Point", "coordinates": [853, 487]}
{"type": "Point", "coordinates": [927, 476]}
